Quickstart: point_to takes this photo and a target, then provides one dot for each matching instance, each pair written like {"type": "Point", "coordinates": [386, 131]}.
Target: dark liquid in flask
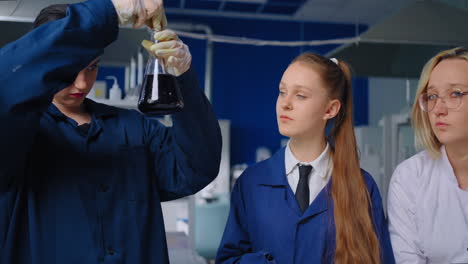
{"type": "Point", "coordinates": [169, 96]}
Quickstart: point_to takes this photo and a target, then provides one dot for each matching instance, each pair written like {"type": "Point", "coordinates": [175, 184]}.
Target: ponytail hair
{"type": "Point", "coordinates": [356, 239]}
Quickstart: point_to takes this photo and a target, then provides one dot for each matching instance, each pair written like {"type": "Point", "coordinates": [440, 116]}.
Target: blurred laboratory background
{"type": "Point", "coordinates": [240, 49]}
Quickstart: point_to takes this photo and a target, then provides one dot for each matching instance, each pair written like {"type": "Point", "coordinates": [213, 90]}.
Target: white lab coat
{"type": "Point", "coordinates": [428, 212]}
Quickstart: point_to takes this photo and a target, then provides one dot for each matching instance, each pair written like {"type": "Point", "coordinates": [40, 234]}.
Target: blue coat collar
{"type": "Point", "coordinates": [95, 109]}
{"type": "Point", "coordinates": [276, 171]}
{"type": "Point", "coordinates": [98, 111]}
{"type": "Point", "coordinates": [275, 176]}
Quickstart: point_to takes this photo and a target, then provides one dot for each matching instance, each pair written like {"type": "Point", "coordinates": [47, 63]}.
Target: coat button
{"type": "Point", "coordinates": [269, 257]}
{"type": "Point", "coordinates": [103, 187]}
{"type": "Point", "coordinates": [110, 251]}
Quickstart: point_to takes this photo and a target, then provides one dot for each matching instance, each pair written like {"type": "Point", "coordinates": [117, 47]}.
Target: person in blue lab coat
{"type": "Point", "coordinates": [310, 202]}
{"type": "Point", "coordinates": [82, 182]}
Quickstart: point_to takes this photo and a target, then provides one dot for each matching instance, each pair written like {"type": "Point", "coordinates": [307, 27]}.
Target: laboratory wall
{"type": "Point", "coordinates": [388, 138]}
{"type": "Point", "coordinates": [388, 96]}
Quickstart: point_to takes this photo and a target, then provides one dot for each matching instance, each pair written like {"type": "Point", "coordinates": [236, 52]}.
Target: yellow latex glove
{"type": "Point", "coordinates": [158, 22]}
{"type": "Point", "coordinates": [174, 53]}
{"type": "Point", "coordinates": [141, 12]}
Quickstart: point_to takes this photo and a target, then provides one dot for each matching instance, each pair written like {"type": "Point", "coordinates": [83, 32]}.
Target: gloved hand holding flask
{"type": "Point", "coordinates": [169, 57]}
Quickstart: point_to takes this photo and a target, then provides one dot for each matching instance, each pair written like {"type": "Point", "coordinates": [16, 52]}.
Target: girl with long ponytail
{"type": "Point", "coordinates": [356, 239]}
{"type": "Point", "coordinates": [310, 202]}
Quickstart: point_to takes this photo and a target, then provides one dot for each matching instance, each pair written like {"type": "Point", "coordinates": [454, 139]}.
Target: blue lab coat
{"type": "Point", "coordinates": [70, 197]}
{"type": "Point", "coordinates": [265, 224]}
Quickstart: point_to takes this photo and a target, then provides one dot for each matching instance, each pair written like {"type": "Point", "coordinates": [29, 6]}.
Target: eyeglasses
{"type": "Point", "coordinates": [452, 99]}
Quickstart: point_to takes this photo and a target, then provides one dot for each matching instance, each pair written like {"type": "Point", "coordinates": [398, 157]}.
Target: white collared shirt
{"type": "Point", "coordinates": [319, 176]}
{"type": "Point", "coordinates": [428, 212]}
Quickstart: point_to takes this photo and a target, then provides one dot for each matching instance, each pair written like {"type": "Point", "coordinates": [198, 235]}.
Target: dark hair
{"type": "Point", "coordinates": [50, 13]}
{"type": "Point", "coordinates": [356, 239]}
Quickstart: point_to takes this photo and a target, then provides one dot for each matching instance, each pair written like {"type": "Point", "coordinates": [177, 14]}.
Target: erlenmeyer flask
{"type": "Point", "coordinates": [160, 93]}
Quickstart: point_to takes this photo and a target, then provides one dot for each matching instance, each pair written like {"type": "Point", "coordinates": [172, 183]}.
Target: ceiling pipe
{"type": "Point", "coordinates": [208, 54]}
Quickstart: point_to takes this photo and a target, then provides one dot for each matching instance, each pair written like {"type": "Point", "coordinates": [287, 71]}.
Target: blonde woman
{"type": "Point", "coordinates": [428, 196]}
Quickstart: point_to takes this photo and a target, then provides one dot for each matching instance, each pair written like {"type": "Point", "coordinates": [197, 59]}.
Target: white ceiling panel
{"type": "Point", "coordinates": [7, 7]}
{"type": "Point", "coordinates": [30, 8]}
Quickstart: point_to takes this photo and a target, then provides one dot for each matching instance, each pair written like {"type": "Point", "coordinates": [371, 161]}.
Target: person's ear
{"type": "Point", "coordinates": [333, 108]}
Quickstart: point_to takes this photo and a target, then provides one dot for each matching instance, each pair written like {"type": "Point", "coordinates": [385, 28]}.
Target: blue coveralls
{"type": "Point", "coordinates": [73, 198]}
{"type": "Point", "coordinates": [265, 224]}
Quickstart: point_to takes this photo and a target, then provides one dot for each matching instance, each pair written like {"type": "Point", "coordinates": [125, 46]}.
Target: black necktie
{"type": "Point", "coordinates": [302, 191]}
